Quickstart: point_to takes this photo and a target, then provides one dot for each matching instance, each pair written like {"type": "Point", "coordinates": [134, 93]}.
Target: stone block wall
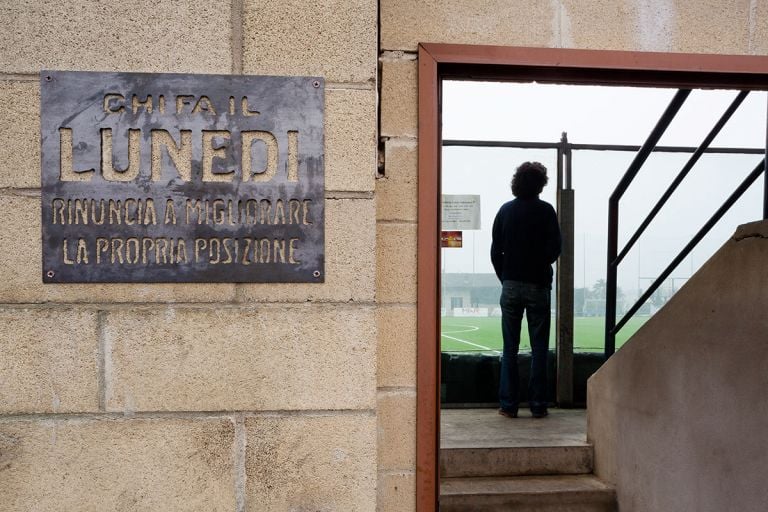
{"type": "Point", "coordinates": [396, 212]}
{"type": "Point", "coordinates": [706, 26]}
{"type": "Point", "coordinates": [702, 26]}
{"type": "Point", "coordinates": [174, 397]}
{"type": "Point", "coordinates": [256, 396]}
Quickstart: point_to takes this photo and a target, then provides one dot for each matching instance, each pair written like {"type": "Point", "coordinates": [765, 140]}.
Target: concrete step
{"type": "Point", "coordinates": [564, 493]}
{"type": "Point", "coordinates": [480, 442]}
{"type": "Point", "coordinates": [516, 461]}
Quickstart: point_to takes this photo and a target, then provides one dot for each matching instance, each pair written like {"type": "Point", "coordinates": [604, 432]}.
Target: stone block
{"type": "Point", "coordinates": [311, 463]}
{"type": "Point", "coordinates": [711, 26]}
{"type": "Point", "coordinates": [397, 191]}
{"type": "Point", "coordinates": [21, 241]}
{"type": "Point", "coordinates": [399, 98]}
{"type": "Point", "coordinates": [21, 254]}
{"type": "Point", "coordinates": [20, 133]}
{"type": "Point", "coordinates": [646, 26]}
{"type": "Point", "coordinates": [396, 333]}
{"type": "Point", "coordinates": [331, 38]}
{"type": "Point", "coordinates": [397, 492]}
{"type": "Point", "coordinates": [251, 358]}
{"type": "Point", "coordinates": [95, 465]}
{"type": "Point", "coordinates": [350, 139]}
{"type": "Point", "coordinates": [396, 263]}
{"type": "Point", "coordinates": [603, 26]}
{"type": "Point", "coordinates": [138, 35]}
{"type": "Point", "coordinates": [396, 413]}
{"type": "Point", "coordinates": [405, 24]}
{"type": "Point", "coordinates": [349, 260]}
{"type": "Point", "coordinates": [758, 28]}
{"type": "Point", "coordinates": [49, 361]}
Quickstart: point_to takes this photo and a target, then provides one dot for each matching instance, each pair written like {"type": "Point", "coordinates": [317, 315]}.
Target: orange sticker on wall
{"type": "Point", "coordinates": [450, 239]}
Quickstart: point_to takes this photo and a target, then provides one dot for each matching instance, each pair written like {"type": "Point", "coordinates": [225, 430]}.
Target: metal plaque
{"type": "Point", "coordinates": [181, 178]}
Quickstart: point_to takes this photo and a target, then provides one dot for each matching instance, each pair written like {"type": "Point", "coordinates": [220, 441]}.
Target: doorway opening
{"type": "Point", "coordinates": [458, 292]}
{"type": "Point", "coordinates": [491, 127]}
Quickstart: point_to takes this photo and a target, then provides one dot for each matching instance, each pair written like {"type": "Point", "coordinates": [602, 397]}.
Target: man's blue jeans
{"type": "Point", "coordinates": [534, 299]}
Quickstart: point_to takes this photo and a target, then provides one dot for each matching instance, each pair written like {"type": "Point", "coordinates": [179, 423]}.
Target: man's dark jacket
{"type": "Point", "coordinates": [526, 241]}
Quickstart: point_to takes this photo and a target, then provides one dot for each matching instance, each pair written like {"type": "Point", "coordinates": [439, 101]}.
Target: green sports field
{"type": "Point", "coordinates": [463, 334]}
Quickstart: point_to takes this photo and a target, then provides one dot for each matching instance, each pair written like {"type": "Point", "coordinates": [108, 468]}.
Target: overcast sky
{"type": "Point", "coordinates": [602, 115]}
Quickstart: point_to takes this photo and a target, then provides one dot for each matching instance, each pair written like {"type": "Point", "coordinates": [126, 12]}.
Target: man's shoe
{"type": "Point", "coordinates": [540, 414]}
{"type": "Point", "coordinates": [508, 414]}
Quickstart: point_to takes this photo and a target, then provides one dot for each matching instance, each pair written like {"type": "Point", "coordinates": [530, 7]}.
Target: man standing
{"type": "Point", "coordinates": [526, 241]}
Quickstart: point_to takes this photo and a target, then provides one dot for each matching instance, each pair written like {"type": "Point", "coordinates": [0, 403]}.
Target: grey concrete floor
{"type": "Point", "coordinates": [485, 428]}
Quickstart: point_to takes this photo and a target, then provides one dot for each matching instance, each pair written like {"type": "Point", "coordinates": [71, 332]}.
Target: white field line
{"type": "Point", "coordinates": [470, 329]}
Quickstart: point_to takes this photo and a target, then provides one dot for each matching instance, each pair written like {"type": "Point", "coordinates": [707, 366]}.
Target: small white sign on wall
{"type": "Point", "coordinates": [460, 212]}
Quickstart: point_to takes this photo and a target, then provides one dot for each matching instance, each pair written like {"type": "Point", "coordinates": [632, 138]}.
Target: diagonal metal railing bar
{"type": "Point", "coordinates": [613, 213]}
{"type": "Point", "coordinates": [683, 173]}
{"type": "Point", "coordinates": [748, 181]}
{"type": "Point", "coordinates": [765, 185]}
{"type": "Point", "coordinates": [647, 148]}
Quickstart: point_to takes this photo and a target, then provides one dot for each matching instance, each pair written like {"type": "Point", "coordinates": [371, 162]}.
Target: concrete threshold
{"type": "Point", "coordinates": [481, 443]}
{"type": "Point", "coordinates": [485, 428]}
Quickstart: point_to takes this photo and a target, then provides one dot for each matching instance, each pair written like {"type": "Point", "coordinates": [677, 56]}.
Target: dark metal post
{"type": "Point", "coordinates": [765, 176]}
{"type": "Point", "coordinates": [611, 277]}
{"type": "Point", "coordinates": [559, 181]}
{"type": "Point", "coordinates": [564, 318]}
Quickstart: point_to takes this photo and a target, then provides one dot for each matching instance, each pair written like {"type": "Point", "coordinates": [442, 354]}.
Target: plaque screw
{"type": "Point", "coordinates": [48, 78]}
{"type": "Point", "coordinates": [316, 84]}
{"type": "Point", "coordinates": [316, 273]}
{"type": "Point", "coordinates": [50, 273]}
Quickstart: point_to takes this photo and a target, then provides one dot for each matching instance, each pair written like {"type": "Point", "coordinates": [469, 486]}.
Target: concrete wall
{"type": "Point", "coordinates": [678, 415]}
{"type": "Point", "coordinates": [265, 397]}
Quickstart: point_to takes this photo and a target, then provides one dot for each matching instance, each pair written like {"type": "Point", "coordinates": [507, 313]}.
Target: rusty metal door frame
{"type": "Point", "coordinates": [468, 62]}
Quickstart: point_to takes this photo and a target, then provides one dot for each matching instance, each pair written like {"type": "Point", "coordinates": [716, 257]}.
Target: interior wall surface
{"type": "Point", "coordinates": [738, 27]}
{"type": "Point", "coordinates": [191, 397]}
{"type": "Point", "coordinates": [677, 415]}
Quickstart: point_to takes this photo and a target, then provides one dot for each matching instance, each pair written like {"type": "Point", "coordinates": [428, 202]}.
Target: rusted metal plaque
{"type": "Point", "coordinates": [181, 178]}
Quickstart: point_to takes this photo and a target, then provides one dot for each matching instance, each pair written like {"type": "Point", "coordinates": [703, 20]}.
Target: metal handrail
{"type": "Point", "coordinates": [592, 147]}
{"type": "Point", "coordinates": [613, 213]}
{"type": "Point", "coordinates": [683, 173]}
{"type": "Point", "coordinates": [748, 181]}
{"type": "Point", "coordinates": [614, 257]}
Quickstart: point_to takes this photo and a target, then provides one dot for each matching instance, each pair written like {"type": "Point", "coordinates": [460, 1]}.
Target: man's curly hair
{"type": "Point", "coordinates": [529, 180]}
